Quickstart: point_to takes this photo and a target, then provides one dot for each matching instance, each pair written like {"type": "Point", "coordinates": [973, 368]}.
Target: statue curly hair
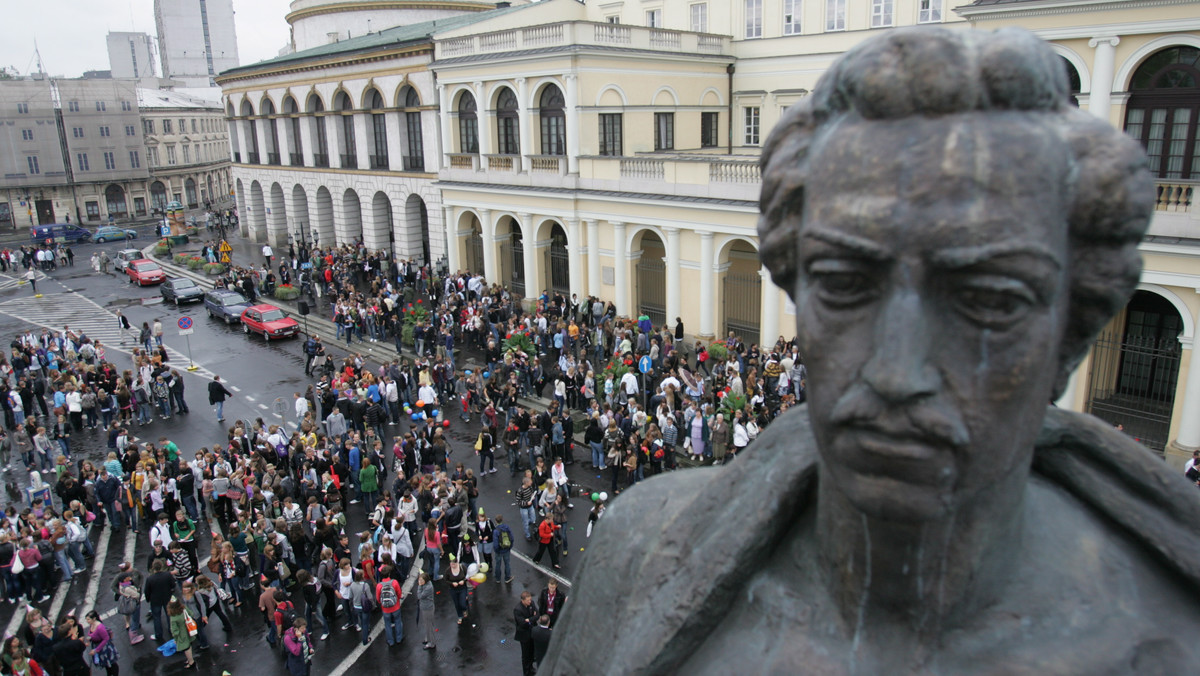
{"type": "Point", "coordinates": [935, 72]}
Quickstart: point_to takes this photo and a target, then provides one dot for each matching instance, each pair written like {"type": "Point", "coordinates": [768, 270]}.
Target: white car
{"type": "Point", "coordinates": [121, 261]}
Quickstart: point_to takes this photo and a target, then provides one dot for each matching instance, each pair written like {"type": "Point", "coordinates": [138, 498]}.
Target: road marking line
{"type": "Point", "coordinates": [17, 620]}
{"type": "Point", "coordinates": [235, 388]}
{"type": "Point", "coordinates": [93, 588]}
{"type": "Point", "coordinates": [541, 569]}
{"type": "Point", "coordinates": [360, 649]}
{"type": "Point", "coordinates": [250, 398]}
{"type": "Point", "coordinates": [263, 406]}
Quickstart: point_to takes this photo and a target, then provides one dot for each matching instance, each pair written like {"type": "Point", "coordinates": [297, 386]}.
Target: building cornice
{"type": "Point", "coordinates": [1055, 7]}
{"type": "Point", "coordinates": [341, 60]}
{"type": "Point", "coordinates": [379, 5]}
{"type": "Point", "coordinates": [333, 170]}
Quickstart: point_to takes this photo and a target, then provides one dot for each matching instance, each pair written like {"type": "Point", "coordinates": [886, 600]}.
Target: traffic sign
{"type": "Point", "coordinates": [224, 257]}
{"type": "Point", "coordinates": [644, 364]}
{"type": "Point", "coordinates": [186, 332]}
{"type": "Point", "coordinates": [224, 247]}
{"type": "Point", "coordinates": [279, 407]}
{"type": "Point", "coordinates": [185, 322]}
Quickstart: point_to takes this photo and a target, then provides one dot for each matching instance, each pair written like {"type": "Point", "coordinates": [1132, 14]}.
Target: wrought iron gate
{"type": "Point", "coordinates": [1132, 383]}
{"type": "Point", "coordinates": [475, 253]}
{"type": "Point", "coordinates": [559, 264]}
{"type": "Point", "coordinates": [651, 287]}
{"type": "Point", "coordinates": [513, 251]}
{"type": "Point", "coordinates": [743, 306]}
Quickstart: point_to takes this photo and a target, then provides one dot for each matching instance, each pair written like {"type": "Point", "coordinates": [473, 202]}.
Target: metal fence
{"type": "Point", "coordinates": [1132, 383]}
{"type": "Point", "coordinates": [652, 288]}
{"type": "Point", "coordinates": [743, 306]}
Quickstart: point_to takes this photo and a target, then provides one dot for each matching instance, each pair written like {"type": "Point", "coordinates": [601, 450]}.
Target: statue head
{"type": "Point", "coordinates": [954, 233]}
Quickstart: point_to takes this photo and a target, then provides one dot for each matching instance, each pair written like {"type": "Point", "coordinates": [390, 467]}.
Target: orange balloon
{"type": "Point", "coordinates": [420, 403]}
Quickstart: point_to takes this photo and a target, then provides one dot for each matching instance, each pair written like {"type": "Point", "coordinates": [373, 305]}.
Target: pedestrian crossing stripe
{"type": "Point", "coordinates": [57, 310]}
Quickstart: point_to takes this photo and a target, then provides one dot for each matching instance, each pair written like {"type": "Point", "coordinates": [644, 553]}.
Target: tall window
{"type": "Point", "coordinates": [73, 107]}
{"type": "Point", "coordinates": [664, 131]}
{"type": "Point", "coordinates": [654, 18]}
{"type": "Point", "coordinates": [791, 17]}
{"type": "Point", "coordinates": [350, 149]}
{"type": "Point", "coordinates": [130, 130]}
{"type": "Point", "coordinates": [508, 138]}
{"type": "Point", "coordinates": [468, 124]}
{"type": "Point", "coordinates": [110, 161]}
{"type": "Point", "coordinates": [81, 160]}
{"type": "Point", "coordinates": [194, 125]}
{"type": "Point", "coordinates": [77, 132]}
{"type": "Point", "coordinates": [379, 152]}
{"type": "Point", "coordinates": [1163, 110]}
{"type": "Point", "coordinates": [103, 131]}
{"type": "Point", "coordinates": [32, 161]}
{"type": "Point", "coordinates": [881, 13]}
{"type": "Point", "coordinates": [152, 156]}
{"type": "Point", "coordinates": [553, 121]}
{"type": "Point", "coordinates": [610, 134]}
{"type": "Point", "coordinates": [101, 106]}
{"type": "Point", "coordinates": [835, 15]}
{"type": "Point", "coordinates": [754, 18]}
{"type": "Point", "coordinates": [167, 126]}
{"type": "Point", "coordinates": [26, 134]}
{"type": "Point", "coordinates": [752, 125]}
{"type": "Point", "coordinates": [297, 142]}
{"type": "Point", "coordinates": [930, 11]}
{"type": "Point", "coordinates": [187, 155]}
{"type": "Point", "coordinates": [415, 160]}
{"type": "Point", "coordinates": [170, 155]}
{"type": "Point", "coordinates": [699, 13]}
{"type": "Point", "coordinates": [23, 108]}
{"type": "Point", "coordinates": [321, 156]}
{"type": "Point", "coordinates": [126, 106]}
{"type": "Point", "coordinates": [709, 130]}
{"type": "Point", "coordinates": [613, 18]}
{"type": "Point", "coordinates": [135, 159]}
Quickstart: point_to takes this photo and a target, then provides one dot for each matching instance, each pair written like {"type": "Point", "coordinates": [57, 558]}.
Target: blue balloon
{"type": "Point", "coordinates": [416, 417]}
{"type": "Point", "coordinates": [435, 413]}
{"type": "Point", "coordinates": [487, 374]}
{"type": "Point", "coordinates": [467, 372]}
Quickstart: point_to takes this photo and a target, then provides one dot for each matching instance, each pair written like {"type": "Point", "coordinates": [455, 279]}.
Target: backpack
{"type": "Point", "coordinates": [505, 538]}
{"type": "Point", "coordinates": [387, 594]}
{"type": "Point", "coordinates": [127, 599]}
{"type": "Point", "coordinates": [368, 600]}
{"type": "Point", "coordinates": [287, 610]}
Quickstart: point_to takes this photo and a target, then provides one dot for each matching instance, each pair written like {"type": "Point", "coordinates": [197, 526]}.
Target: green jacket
{"type": "Point", "coordinates": [368, 478]}
{"type": "Point", "coordinates": [179, 632]}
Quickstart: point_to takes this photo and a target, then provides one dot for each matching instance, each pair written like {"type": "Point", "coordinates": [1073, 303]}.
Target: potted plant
{"type": "Point", "coordinates": [213, 269]}
{"type": "Point", "coordinates": [286, 292]}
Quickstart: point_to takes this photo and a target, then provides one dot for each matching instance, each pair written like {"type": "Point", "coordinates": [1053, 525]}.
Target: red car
{"type": "Point", "coordinates": [144, 271]}
{"type": "Point", "coordinates": [268, 320]}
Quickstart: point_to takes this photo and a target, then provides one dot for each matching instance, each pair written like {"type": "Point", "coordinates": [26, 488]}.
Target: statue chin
{"type": "Point", "coordinates": [887, 499]}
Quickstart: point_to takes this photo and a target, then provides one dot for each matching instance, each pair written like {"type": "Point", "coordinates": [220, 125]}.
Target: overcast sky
{"type": "Point", "coordinates": [70, 34]}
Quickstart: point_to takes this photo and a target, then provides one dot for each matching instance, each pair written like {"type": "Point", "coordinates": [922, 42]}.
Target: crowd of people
{"type": "Point", "coordinates": [273, 505]}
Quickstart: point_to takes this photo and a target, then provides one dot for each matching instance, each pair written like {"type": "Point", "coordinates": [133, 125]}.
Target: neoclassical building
{"type": "Point", "coordinates": [187, 148]}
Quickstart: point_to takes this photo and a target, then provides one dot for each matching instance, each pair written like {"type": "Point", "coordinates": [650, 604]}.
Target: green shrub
{"type": "Point", "coordinates": [519, 342]}
{"type": "Point", "coordinates": [182, 259]}
{"type": "Point", "coordinates": [287, 292]}
{"type": "Point", "coordinates": [406, 334]}
{"type": "Point", "coordinates": [718, 351]}
{"type": "Point", "coordinates": [214, 268]}
{"type": "Point", "coordinates": [161, 250]}
{"type": "Point", "coordinates": [195, 263]}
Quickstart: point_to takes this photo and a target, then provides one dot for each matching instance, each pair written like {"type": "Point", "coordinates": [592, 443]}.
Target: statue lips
{"type": "Point", "coordinates": [900, 454]}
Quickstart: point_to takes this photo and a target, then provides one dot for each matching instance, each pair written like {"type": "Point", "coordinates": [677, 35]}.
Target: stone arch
{"type": "Point", "coordinates": [1085, 77]}
{"type": "Point", "coordinates": [671, 101]}
{"type": "Point", "coordinates": [611, 96]}
{"type": "Point", "coordinates": [377, 231]}
{"type": "Point", "coordinates": [351, 230]}
{"type": "Point", "coordinates": [412, 232]}
{"type": "Point", "coordinates": [711, 97]}
{"type": "Point", "coordinates": [323, 221]}
{"type": "Point", "coordinates": [189, 193]}
{"type": "Point", "coordinates": [472, 259]}
{"type": "Point", "coordinates": [266, 104]}
{"type": "Point", "coordinates": [556, 263]}
{"type": "Point", "coordinates": [400, 93]}
{"type": "Point", "coordinates": [301, 225]}
{"type": "Point", "coordinates": [366, 99]}
{"type": "Point", "coordinates": [114, 201]}
{"type": "Point", "coordinates": [276, 217]}
{"type": "Point", "coordinates": [535, 92]}
{"type": "Point", "coordinates": [514, 247]}
{"type": "Point", "coordinates": [651, 277]}
{"type": "Point", "coordinates": [256, 218]}
{"type": "Point", "coordinates": [1185, 314]}
{"type": "Point", "coordinates": [1124, 78]}
{"type": "Point", "coordinates": [245, 108]}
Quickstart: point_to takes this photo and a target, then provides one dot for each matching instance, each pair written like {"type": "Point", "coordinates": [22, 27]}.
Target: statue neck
{"type": "Point", "coordinates": [917, 577]}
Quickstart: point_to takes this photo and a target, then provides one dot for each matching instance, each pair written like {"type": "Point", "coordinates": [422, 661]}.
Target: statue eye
{"type": "Point", "coordinates": [841, 282]}
{"type": "Point", "coordinates": [994, 303]}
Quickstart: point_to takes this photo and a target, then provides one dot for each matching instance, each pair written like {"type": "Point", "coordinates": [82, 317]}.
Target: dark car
{"type": "Point", "coordinates": [181, 290]}
{"type": "Point", "coordinates": [225, 304]}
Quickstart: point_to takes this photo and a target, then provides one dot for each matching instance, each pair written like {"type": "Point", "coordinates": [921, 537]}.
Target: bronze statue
{"type": "Point", "coordinates": [953, 233]}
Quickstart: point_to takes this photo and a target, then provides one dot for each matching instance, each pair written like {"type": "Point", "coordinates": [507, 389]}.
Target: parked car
{"type": "Point", "coordinates": [181, 290]}
{"type": "Point", "coordinates": [59, 232]}
{"type": "Point", "coordinates": [269, 321]}
{"type": "Point", "coordinates": [225, 305]}
{"type": "Point", "coordinates": [124, 256]}
{"type": "Point", "coordinates": [111, 233]}
{"type": "Point", "coordinates": [144, 271]}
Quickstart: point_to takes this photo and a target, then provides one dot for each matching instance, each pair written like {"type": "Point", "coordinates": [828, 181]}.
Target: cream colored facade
{"type": "Point", "coordinates": [611, 149]}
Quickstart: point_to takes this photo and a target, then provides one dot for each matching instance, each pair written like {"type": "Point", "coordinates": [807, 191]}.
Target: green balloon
{"type": "Point", "coordinates": [595, 497]}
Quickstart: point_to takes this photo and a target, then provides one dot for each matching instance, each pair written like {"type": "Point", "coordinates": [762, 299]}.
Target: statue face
{"type": "Point", "coordinates": [930, 299]}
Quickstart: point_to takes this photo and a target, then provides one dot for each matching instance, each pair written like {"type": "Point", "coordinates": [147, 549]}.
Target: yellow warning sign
{"type": "Point", "coordinates": [225, 247]}
{"type": "Point", "coordinates": [224, 258]}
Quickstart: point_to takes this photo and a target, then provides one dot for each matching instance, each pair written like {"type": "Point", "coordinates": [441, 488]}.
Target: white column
{"type": "Point", "coordinates": [523, 122]}
{"type": "Point", "coordinates": [451, 239]}
{"type": "Point", "coordinates": [263, 130]}
{"type": "Point", "coordinates": [621, 269]}
{"type": "Point", "coordinates": [286, 143]}
{"type": "Point", "coordinates": [490, 272]}
{"type": "Point", "coordinates": [362, 147]}
{"type": "Point", "coordinates": [395, 148]}
{"type": "Point", "coordinates": [532, 282]}
{"type": "Point", "coordinates": [444, 125]}
{"type": "Point", "coordinates": [331, 123]}
{"type": "Point", "coordinates": [708, 279]}
{"type": "Point", "coordinates": [673, 273]}
{"type": "Point", "coordinates": [1189, 422]}
{"type": "Point", "coordinates": [1100, 100]}
{"type": "Point", "coordinates": [572, 95]}
{"type": "Point", "coordinates": [484, 124]}
{"type": "Point", "coordinates": [768, 328]}
{"type": "Point", "coordinates": [306, 140]}
{"type": "Point", "coordinates": [575, 255]}
{"type": "Point", "coordinates": [593, 229]}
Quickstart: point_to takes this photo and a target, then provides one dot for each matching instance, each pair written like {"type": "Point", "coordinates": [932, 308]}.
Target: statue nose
{"type": "Point", "coordinates": [899, 368]}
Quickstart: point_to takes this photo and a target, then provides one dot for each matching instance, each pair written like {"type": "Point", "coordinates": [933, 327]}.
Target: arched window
{"type": "Point", "coordinates": [1073, 80]}
{"type": "Point", "coordinates": [508, 139]}
{"type": "Point", "coordinates": [315, 109]}
{"type": "Point", "coordinates": [553, 121]}
{"type": "Point", "coordinates": [1162, 111]}
{"type": "Point", "coordinates": [268, 108]}
{"type": "Point", "coordinates": [468, 124]}
{"type": "Point", "coordinates": [295, 147]}
{"type": "Point", "coordinates": [379, 152]}
{"type": "Point", "coordinates": [349, 145]}
{"type": "Point", "coordinates": [414, 160]}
